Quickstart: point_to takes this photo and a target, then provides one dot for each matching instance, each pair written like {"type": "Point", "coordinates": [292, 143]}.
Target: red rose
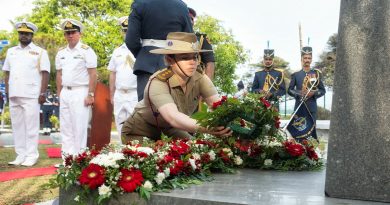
{"type": "Point", "coordinates": [130, 179]}
{"type": "Point", "coordinates": [177, 167]}
{"type": "Point", "coordinates": [265, 102]}
{"type": "Point", "coordinates": [293, 149]}
{"type": "Point", "coordinates": [224, 98]}
{"type": "Point", "coordinates": [92, 176]}
{"type": "Point", "coordinates": [216, 104]}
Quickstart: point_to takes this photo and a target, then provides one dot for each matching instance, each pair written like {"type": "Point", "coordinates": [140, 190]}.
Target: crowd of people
{"type": "Point", "coordinates": [157, 78]}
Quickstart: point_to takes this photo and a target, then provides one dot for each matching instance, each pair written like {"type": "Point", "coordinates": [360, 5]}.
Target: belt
{"type": "Point", "coordinates": [74, 87]}
{"type": "Point", "coordinates": [154, 42]}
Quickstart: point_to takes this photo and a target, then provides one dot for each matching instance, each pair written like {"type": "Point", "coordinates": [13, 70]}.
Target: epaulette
{"type": "Point", "coordinates": [83, 46]}
{"type": "Point", "coordinates": [165, 74]}
{"type": "Point", "coordinates": [61, 48]}
{"type": "Point", "coordinates": [279, 69]}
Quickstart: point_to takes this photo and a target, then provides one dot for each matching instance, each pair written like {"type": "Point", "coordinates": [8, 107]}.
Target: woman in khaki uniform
{"type": "Point", "coordinates": [172, 94]}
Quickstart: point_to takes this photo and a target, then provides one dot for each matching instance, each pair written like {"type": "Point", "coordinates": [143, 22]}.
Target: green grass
{"type": "Point", "coordinates": [26, 190]}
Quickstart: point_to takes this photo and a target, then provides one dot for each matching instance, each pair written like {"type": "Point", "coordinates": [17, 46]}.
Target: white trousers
{"type": "Point", "coordinates": [124, 104]}
{"type": "Point", "coordinates": [74, 120]}
{"type": "Point", "coordinates": [25, 126]}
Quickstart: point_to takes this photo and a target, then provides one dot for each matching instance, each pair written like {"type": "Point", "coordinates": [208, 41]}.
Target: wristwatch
{"type": "Point", "coordinates": [91, 94]}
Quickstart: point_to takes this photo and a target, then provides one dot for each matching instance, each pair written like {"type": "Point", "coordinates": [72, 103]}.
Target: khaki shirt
{"type": "Point", "coordinates": [169, 91]}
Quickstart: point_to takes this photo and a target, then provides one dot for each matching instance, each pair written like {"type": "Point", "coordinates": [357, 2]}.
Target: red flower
{"type": "Point", "coordinates": [129, 152]}
{"type": "Point", "coordinates": [277, 122]}
{"type": "Point", "coordinates": [177, 167]}
{"type": "Point", "coordinates": [205, 158]}
{"type": "Point", "coordinates": [92, 176]}
{"type": "Point", "coordinates": [265, 102]}
{"type": "Point", "coordinates": [242, 123]}
{"type": "Point", "coordinates": [81, 157]}
{"type": "Point", "coordinates": [179, 149]}
{"type": "Point", "coordinates": [294, 149]}
{"type": "Point", "coordinates": [130, 179]}
{"type": "Point", "coordinates": [68, 160]}
{"type": "Point", "coordinates": [311, 153]}
{"type": "Point", "coordinates": [224, 98]}
{"type": "Point", "coordinates": [216, 104]}
{"type": "Point", "coordinates": [224, 156]}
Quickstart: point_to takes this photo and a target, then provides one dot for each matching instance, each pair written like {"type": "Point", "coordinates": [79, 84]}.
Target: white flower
{"type": "Point", "coordinates": [238, 160]}
{"type": "Point", "coordinates": [146, 150]}
{"type": "Point", "coordinates": [196, 156]}
{"type": "Point", "coordinates": [212, 155]}
{"type": "Point", "coordinates": [159, 178]}
{"type": "Point", "coordinates": [167, 172]}
{"type": "Point", "coordinates": [268, 162]}
{"type": "Point", "coordinates": [228, 151]}
{"type": "Point", "coordinates": [275, 143]}
{"type": "Point", "coordinates": [108, 160]}
{"type": "Point", "coordinates": [267, 127]}
{"type": "Point", "coordinates": [192, 162]}
{"type": "Point", "coordinates": [148, 185]}
{"type": "Point", "coordinates": [263, 155]}
{"type": "Point", "coordinates": [104, 190]}
{"type": "Point", "coordinates": [77, 198]}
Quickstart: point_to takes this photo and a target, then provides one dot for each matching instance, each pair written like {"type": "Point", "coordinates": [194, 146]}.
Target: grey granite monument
{"type": "Point", "coordinates": [358, 164]}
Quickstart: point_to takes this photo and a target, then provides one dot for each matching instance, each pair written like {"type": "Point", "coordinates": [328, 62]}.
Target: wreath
{"type": "Point", "coordinates": [251, 117]}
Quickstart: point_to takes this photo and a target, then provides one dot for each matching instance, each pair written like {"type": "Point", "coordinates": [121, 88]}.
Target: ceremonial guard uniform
{"type": "Point", "coordinates": [149, 23]}
{"type": "Point", "coordinates": [25, 67]}
{"type": "Point", "coordinates": [123, 83]}
{"type": "Point", "coordinates": [302, 81]}
{"type": "Point", "coordinates": [270, 80]}
{"type": "Point", "coordinates": [75, 68]}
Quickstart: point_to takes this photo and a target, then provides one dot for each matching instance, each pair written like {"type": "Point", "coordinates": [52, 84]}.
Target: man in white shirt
{"type": "Point", "coordinates": [76, 81]}
{"type": "Point", "coordinates": [123, 83]}
{"type": "Point", "coordinates": [26, 68]}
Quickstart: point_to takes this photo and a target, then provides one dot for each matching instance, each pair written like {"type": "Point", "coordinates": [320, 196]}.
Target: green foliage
{"type": "Point", "coordinates": [6, 116]}
{"type": "Point", "coordinates": [228, 52]}
{"type": "Point", "coordinates": [55, 121]}
{"type": "Point", "coordinates": [99, 18]}
{"type": "Point", "coordinates": [327, 62]}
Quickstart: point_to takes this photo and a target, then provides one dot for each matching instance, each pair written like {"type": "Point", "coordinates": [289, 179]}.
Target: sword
{"type": "Point", "coordinates": [302, 101]}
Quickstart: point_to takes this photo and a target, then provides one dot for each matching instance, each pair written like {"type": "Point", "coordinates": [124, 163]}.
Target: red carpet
{"type": "Point", "coordinates": [45, 142]}
{"type": "Point", "coordinates": [53, 152]}
{"type": "Point", "coordinates": [32, 172]}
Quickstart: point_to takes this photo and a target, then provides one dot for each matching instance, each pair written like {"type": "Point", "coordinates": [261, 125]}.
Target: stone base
{"type": "Point", "coordinates": [247, 186]}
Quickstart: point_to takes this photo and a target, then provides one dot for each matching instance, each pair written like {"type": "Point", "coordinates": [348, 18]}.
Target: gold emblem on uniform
{"type": "Point", "coordinates": [126, 22]}
{"type": "Point", "coordinates": [68, 25]}
{"type": "Point", "coordinates": [23, 25]}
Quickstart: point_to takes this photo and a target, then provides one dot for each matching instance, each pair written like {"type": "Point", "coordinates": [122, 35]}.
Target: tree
{"type": "Point", "coordinates": [327, 60]}
{"type": "Point", "coordinates": [228, 52]}
{"type": "Point", "coordinates": [99, 18]}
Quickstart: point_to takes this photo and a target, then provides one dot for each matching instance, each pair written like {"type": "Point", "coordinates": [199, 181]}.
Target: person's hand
{"type": "Point", "coordinates": [220, 131]}
{"type": "Point", "coordinates": [41, 99]}
{"type": "Point", "coordinates": [89, 100]}
{"type": "Point", "coordinates": [311, 93]}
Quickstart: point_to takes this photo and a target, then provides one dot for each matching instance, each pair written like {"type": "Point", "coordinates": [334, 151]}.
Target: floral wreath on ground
{"type": "Point", "coordinates": [170, 163]}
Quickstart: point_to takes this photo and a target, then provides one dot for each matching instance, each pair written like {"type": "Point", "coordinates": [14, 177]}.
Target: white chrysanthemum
{"type": "Point", "coordinates": [196, 156]}
{"type": "Point", "coordinates": [212, 155]}
{"type": "Point", "coordinates": [238, 160]}
{"type": "Point", "coordinates": [159, 178]}
{"type": "Point", "coordinates": [167, 172]}
{"type": "Point", "coordinates": [148, 185]}
{"type": "Point", "coordinates": [192, 163]}
{"type": "Point", "coordinates": [77, 198]}
{"type": "Point", "coordinates": [146, 150]}
{"type": "Point", "coordinates": [275, 143]}
{"type": "Point", "coordinates": [161, 155]}
{"type": "Point", "coordinates": [228, 151]}
{"type": "Point", "coordinates": [268, 162]}
{"type": "Point", "coordinates": [104, 190]}
{"type": "Point", "coordinates": [108, 160]}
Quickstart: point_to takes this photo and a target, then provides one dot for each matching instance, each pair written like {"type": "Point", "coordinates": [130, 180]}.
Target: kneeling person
{"type": "Point", "coordinates": [172, 94]}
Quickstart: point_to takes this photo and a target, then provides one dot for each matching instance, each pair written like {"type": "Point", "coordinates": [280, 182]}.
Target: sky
{"type": "Point", "coordinates": [252, 22]}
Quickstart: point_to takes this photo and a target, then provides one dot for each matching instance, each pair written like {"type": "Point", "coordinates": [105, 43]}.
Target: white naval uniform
{"type": "Point", "coordinates": [74, 115]}
{"type": "Point", "coordinates": [125, 96]}
{"type": "Point", "coordinates": [25, 66]}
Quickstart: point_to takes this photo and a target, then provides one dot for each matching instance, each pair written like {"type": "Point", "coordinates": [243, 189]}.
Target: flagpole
{"type": "Point", "coordinates": [296, 110]}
